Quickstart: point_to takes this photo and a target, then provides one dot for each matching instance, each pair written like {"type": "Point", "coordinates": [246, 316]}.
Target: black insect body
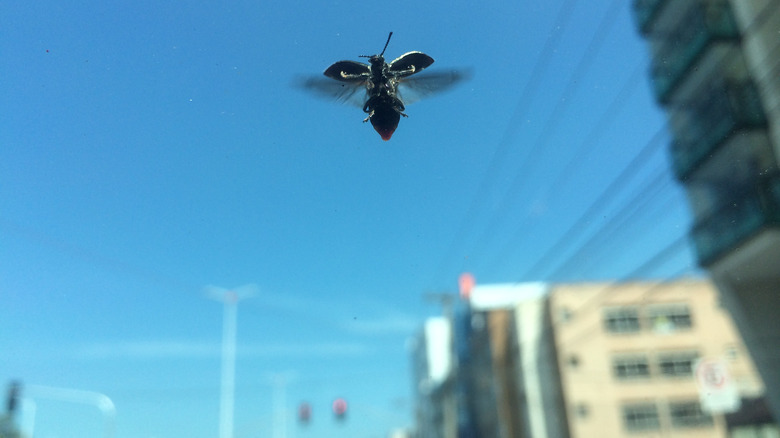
{"type": "Point", "coordinates": [382, 83]}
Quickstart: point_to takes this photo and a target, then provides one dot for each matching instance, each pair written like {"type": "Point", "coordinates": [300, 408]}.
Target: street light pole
{"type": "Point", "coordinates": [229, 298]}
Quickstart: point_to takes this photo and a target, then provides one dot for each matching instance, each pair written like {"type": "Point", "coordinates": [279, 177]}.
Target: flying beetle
{"type": "Point", "coordinates": [383, 89]}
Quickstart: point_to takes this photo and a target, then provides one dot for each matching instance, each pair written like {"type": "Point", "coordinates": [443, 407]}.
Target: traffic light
{"type": "Point", "coordinates": [339, 408]}
{"type": "Point", "coordinates": [304, 413]}
{"type": "Point", "coordinates": [14, 392]}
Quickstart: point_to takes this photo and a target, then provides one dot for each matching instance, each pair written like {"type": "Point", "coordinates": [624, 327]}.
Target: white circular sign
{"type": "Point", "coordinates": [717, 391]}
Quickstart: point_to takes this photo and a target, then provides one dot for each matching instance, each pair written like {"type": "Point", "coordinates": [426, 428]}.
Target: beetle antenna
{"type": "Point", "coordinates": [388, 42]}
{"type": "Point", "coordinates": [383, 50]}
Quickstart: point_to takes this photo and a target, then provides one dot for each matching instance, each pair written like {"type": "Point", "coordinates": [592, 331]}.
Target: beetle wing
{"type": "Point", "coordinates": [410, 63]}
{"type": "Point", "coordinates": [348, 71]}
{"type": "Point", "coordinates": [349, 92]}
{"type": "Point", "coordinates": [419, 87]}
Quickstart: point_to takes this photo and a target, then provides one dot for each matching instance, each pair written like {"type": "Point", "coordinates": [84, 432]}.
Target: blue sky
{"type": "Point", "coordinates": [149, 149]}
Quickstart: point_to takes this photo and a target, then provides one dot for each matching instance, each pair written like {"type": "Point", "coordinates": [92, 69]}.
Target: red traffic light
{"type": "Point", "coordinates": [304, 413]}
{"type": "Point", "coordinates": [340, 408]}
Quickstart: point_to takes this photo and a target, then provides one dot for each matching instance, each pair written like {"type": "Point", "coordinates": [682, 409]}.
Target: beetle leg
{"type": "Point", "coordinates": [398, 106]}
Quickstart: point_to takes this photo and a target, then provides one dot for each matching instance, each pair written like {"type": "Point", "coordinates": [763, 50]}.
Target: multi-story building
{"type": "Point", "coordinates": [503, 381]}
{"type": "Point", "coordinates": [431, 369]}
{"type": "Point", "coordinates": [628, 354]}
{"type": "Point", "coordinates": [716, 71]}
{"type": "Point", "coordinates": [512, 340]}
{"type": "Point", "coordinates": [580, 360]}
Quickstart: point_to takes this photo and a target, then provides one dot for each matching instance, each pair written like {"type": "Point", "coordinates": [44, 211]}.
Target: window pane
{"type": "Point", "coordinates": [631, 367]}
{"type": "Point", "coordinates": [677, 364]}
{"type": "Point", "coordinates": [688, 414]}
{"type": "Point", "coordinates": [622, 320]}
{"type": "Point", "coordinates": [669, 318]}
{"type": "Point", "coordinates": [640, 417]}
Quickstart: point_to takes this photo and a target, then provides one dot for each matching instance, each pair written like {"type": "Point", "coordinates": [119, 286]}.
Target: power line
{"type": "Point", "coordinates": [681, 242]}
{"type": "Point", "coordinates": [660, 257]}
{"type": "Point", "coordinates": [723, 61]}
{"type": "Point", "coordinates": [526, 96]}
{"type": "Point", "coordinates": [586, 147]}
{"type": "Point", "coordinates": [596, 300]}
{"type": "Point", "coordinates": [624, 217]}
{"type": "Point", "coordinates": [628, 173]}
{"type": "Point", "coordinates": [563, 103]}
{"type": "Point", "coordinates": [568, 235]}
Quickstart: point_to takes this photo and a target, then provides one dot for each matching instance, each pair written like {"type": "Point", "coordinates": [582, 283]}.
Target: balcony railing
{"type": "Point", "coordinates": [744, 213]}
{"type": "Point", "coordinates": [719, 115]}
{"type": "Point", "coordinates": [645, 12]}
{"type": "Point", "coordinates": [703, 25]}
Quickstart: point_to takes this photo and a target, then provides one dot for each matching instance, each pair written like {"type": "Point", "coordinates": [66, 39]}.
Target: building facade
{"type": "Point", "coordinates": [582, 360]}
{"type": "Point", "coordinates": [431, 370]}
{"type": "Point", "coordinates": [716, 72]}
{"type": "Point", "coordinates": [519, 350]}
{"type": "Point", "coordinates": [628, 354]}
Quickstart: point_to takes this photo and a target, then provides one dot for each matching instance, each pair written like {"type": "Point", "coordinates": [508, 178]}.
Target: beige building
{"type": "Point", "coordinates": [627, 355]}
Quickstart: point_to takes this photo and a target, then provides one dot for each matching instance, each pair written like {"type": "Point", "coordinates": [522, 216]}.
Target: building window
{"type": "Point", "coordinates": [688, 414]}
{"type": "Point", "coordinates": [667, 319]}
{"type": "Point", "coordinates": [631, 367]}
{"type": "Point", "coordinates": [621, 320]}
{"type": "Point", "coordinates": [564, 314]}
{"type": "Point", "coordinates": [582, 410]}
{"type": "Point", "coordinates": [677, 364]}
{"type": "Point", "coordinates": [640, 416]}
{"type": "Point", "coordinates": [732, 353]}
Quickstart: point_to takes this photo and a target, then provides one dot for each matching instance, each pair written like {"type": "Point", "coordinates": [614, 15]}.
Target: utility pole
{"type": "Point", "coordinates": [229, 298]}
{"type": "Point", "coordinates": [466, 283]}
